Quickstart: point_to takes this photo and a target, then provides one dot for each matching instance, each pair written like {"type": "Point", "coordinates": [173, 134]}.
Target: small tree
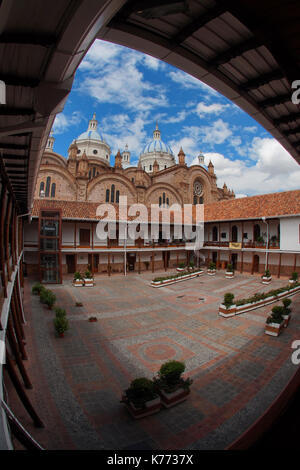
{"type": "Point", "coordinates": [77, 276]}
{"type": "Point", "coordinates": [267, 273]}
{"type": "Point", "coordinates": [294, 276]}
{"type": "Point", "coordinates": [229, 268]}
{"type": "Point", "coordinates": [276, 315]}
{"type": "Point", "coordinates": [61, 325]}
{"type": "Point", "coordinates": [59, 312]}
{"type": "Point", "coordinates": [88, 274]}
{"type": "Point", "coordinates": [140, 391]}
{"type": "Point", "coordinates": [212, 266]}
{"type": "Point", "coordinates": [169, 376]}
{"type": "Point", "coordinates": [48, 297]}
{"type": "Point", "coordinates": [37, 288]}
{"type": "Point", "coordinates": [286, 304]}
{"type": "Point", "coordinates": [228, 299]}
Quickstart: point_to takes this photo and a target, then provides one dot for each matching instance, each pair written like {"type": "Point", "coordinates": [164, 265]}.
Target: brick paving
{"type": "Point", "coordinates": [78, 380]}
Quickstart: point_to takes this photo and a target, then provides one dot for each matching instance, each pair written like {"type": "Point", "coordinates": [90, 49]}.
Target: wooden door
{"type": "Point", "coordinates": [71, 264]}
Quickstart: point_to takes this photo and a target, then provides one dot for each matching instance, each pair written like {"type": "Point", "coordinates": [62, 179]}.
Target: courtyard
{"type": "Point", "coordinates": [237, 370]}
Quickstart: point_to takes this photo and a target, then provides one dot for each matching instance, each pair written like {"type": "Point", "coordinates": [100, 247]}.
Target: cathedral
{"type": "Point", "coordinates": [157, 179]}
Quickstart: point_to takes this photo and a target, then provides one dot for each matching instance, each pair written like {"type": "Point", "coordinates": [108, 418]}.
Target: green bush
{"type": "Point", "coordinates": [267, 273]}
{"type": "Point", "coordinates": [77, 276]}
{"type": "Point", "coordinates": [294, 276]}
{"type": "Point", "coordinates": [175, 276]}
{"type": "Point", "coordinates": [48, 297]}
{"type": "Point", "coordinates": [59, 312]}
{"type": "Point", "coordinates": [61, 324]}
{"type": "Point", "coordinates": [88, 274]}
{"type": "Point", "coordinates": [181, 265]}
{"type": "Point", "coordinates": [228, 299]}
{"type": "Point", "coordinates": [212, 266]}
{"type": "Point", "coordinates": [264, 295]}
{"type": "Point", "coordinates": [286, 305]}
{"type": "Point", "coordinates": [37, 288]}
{"type": "Point", "coordinates": [140, 391]}
{"type": "Point", "coordinates": [229, 268]}
{"type": "Point", "coordinates": [169, 377]}
{"type": "Point", "coordinates": [192, 264]}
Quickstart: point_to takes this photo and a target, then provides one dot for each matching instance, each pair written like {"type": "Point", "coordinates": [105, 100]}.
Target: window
{"type": "Point", "coordinates": [94, 170]}
{"type": "Point", "coordinates": [117, 197]}
{"type": "Point", "coordinates": [112, 195]}
{"type": "Point", "coordinates": [223, 235]}
{"type": "Point", "coordinates": [107, 196]}
{"type": "Point", "coordinates": [95, 152]}
{"type": "Point", "coordinates": [90, 174]}
{"type": "Point", "coordinates": [215, 234]}
{"type": "Point", "coordinates": [48, 182]}
{"type": "Point", "coordinates": [150, 168]}
{"type": "Point", "coordinates": [53, 188]}
{"type": "Point", "coordinates": [160, 201]}
{"type": "Point", "coordinates": [42, 187]}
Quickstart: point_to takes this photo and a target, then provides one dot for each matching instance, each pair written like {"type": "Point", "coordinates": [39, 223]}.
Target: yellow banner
{"type": "Point", "coordinates": [235, 246]}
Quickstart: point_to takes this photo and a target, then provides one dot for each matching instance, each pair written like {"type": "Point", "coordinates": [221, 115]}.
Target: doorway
{"type": "Point", "coordinates": [94, 262]}
{"type": "Point", "coordinates": [71, 264]}
{"type": "Point", "coordinates": [255, 263]}
{"type": "Point", "coordinates": [234, 259]}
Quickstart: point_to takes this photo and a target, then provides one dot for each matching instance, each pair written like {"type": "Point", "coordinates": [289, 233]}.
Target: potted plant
{"type": "Point", "coordinates": [191, 266]}
{"type": "Point", "coordinates": [211, 271]}
{"type": "Point", "coordinates": [78, 304]}
{"type": "Point", "coordinates": [229, 271]}
{"type": "Point", "coordinates": [228, 307]}
{"type": "Point", "coordinates": [274, 241]}
{"type": "Point", "coordinates": [93, 319]}
{"type": "Point", "coordinates": [286, 315]}
{"type": "Point", "coordinates": [170, 384]}
{"type": "Point", "coordinates": [78, 280]}
{"type": "Point", "coordinates": [141, 399]}
{"type": "Point", "coordinates": [61, 325]}
{"type": "Point", "coordinates": [37, 288]}
{"type": "Point", "coordinates": [47, 297]}
{"type": "Point", "coordinates": [59, 312]}
{"type": "Point", "coordinates": [294, 278]}
{"type": "Point", "coordinates": [275, 322]}
{"type": "Point", "coordinates": [260, 241]}
{"type": "Point", "coordinates": [181, 267]}
{"type": "Point", "coordinates": [266, 278]}
{"type": "Point", "coordinates": [88, 278]}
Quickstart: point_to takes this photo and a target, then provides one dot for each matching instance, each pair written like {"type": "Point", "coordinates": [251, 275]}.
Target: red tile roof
{"type": "Point", "coordinates": [254, 207]}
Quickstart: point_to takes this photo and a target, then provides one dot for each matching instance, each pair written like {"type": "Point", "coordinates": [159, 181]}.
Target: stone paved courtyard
{"type": "Point", "coordinates": [237, 370]}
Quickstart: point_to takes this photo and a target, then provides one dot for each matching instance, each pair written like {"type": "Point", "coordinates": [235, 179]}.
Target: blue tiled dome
{"type": "Point", "coordinates": [90, 135]}
{"type": "Point", "coordinates": [157, 146]}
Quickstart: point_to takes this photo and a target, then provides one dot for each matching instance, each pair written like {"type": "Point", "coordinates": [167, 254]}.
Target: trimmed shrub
{"type": "Point", "coordinates": [140, 391]}
{"type": "Point", "coordinates": [61, 324]}
{"type": "Point", "coordinates": [212, 266]}
{"type": "Point", "coordinates": [294, 276]}
{"type": "Point", "coordinates": [88, 274]}
{"type": "Point", "coordinates": [169, 377]}
{"type": "Point", "coordinates": [77, 276]}
{"type": "Point", "coordinates": [48, 297]}
{"type": "Point", "coordinates": [229, 268]}
{"type": "Point", "coordinates": [59, 312]}
{"type": "Point", "coordinates": [37, 288]}
{"type": "Point", "coordinates": [228, 299]}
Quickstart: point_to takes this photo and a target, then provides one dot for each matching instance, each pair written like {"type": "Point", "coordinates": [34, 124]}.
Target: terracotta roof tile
{"type": "Point", "coordinates": [267, 205]}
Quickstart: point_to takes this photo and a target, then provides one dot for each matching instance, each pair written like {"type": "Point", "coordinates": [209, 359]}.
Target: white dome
{"type": "Point", "coordinates": [93, 144]}
{"type": "Point", "coordinates": [158, 151]}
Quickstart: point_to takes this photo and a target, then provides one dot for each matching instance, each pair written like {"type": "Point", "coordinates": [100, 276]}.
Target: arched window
{"type": "Point", "coordinates": [107, 196]}
{"type": "Point", "coordinates": [117, 197]}
{"type": "Point", "coordinates": [195, 200]}
{"type": "Point", "coordinates": [167, 201]}
{"type": "Point", "coordinates": [164, 198]}
{"type": "Point", "coordinates": [112, 194]}
{"type": "Point", "coordinates": [201, 200]}
{"type": "Point", "coordinates": [53, 188]}
{"type": "Point", "coordinates": [94, 171]}
{"type": "Point", "coordinates": [150, 168]}
{"type": "Point", "coordinates": [90, 174]}
{"type": "Point", "coordinates": [160, 201]}
{"type": "Point", "coordinates": [48, 183]}
{"type": "Point", "coordinates": [42, 187]}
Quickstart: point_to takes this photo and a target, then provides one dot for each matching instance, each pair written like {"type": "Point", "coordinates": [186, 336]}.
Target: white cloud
{"type": "Point", "coordinates": [188, 81]}
{"type": "Point", "coordinates": [63, 122]}
{"type": "Point", "coordinates": [215, 108]}
{"type": "Point", "coordinates": [111, 74]}
{"type": "Point", "coordinates": [251, 129]}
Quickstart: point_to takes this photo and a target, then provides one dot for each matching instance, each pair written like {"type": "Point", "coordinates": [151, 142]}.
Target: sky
{"type": "Point", "coordinates": [130, 91]}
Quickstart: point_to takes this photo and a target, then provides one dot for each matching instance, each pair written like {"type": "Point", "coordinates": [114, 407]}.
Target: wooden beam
{"type": "Point", "coordinates": [15, 349]}
{"type": "Point", "coordinates": [21, 392]}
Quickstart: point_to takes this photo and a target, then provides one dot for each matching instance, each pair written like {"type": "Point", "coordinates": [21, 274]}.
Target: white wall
{"type": "Point", "coordinates": [290, 233]}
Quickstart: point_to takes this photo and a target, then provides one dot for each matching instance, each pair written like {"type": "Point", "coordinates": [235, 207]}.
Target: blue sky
{"type": "Point", "coordinates": [130, 91]}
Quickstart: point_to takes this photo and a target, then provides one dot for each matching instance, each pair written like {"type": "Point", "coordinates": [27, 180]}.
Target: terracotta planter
{"type": "Point", "coordinates": [227, 312]}
{"type": "Point", "coordinates": [229, 275]}
{"type": "Point", "coordinates": [266, 280]}
{"type": "Point", "coordinates": [286, 319]}
{"type": "Point", "coordinates": [151, 407]}
{"type": "Point", "coordinates": [171, 399]}
{"type": "Point", "coordinates": [89, 282]}
{"type": "Point", "coordinates": [273, 329]}
{"type": "Point", "coordinates": [78, 282]}
{"type": "Point", "coordinates": [211, 272]}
